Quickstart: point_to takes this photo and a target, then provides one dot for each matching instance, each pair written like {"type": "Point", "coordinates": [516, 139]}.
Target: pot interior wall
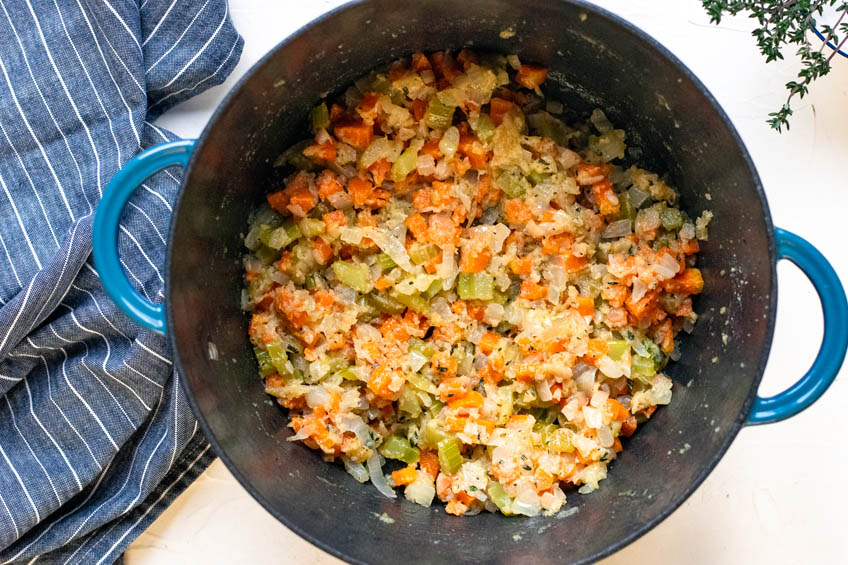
{"type": "Point", "coordinates": [594, 61]}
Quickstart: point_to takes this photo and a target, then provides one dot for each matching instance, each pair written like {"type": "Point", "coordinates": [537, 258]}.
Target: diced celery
{"type": "Point", "coordinates": [348, 374]}
{"type": "Point", "coordinates": [500, 297]}
{"type": "Point", "coordinates": [435, 408]}
{"type": "Point", "coordinates": [381, 84]}
{"type": "Point", "coordinates": [384, 304]}
{"type": "Point", "coordinates": [477, 286]}
{"type": "Point", "coordinates": [643, 367]}
{"type": "Point", "coordinates": [336, 362]}
{"type": "Point", "coordinates": [367, 312]}
{"type": "Point", "coordinates": [536, 177]}
{"type": "Point", "coordinates": [450, 457]}
{"type": "Point", "coordinates": [616, 349]}
{"type": "Point", "coordinates": [498, 495]}
{"type": "Point", "coordinates": [413, 301]}
{"type": "Point", "coordinates": [353, 275]}
{"type": "Point", "coordinates": [320, 117]}
{"type": "Point", "coordinates": [559, 441]}
{"type": "Point", "coordinates": [408, 402]}
{"type": "Point", "coordinates": [266, 368]}
{"type": "Point", "coordinates": [397, 447]}
{"type": "Point", "coordinates": [386, 263]}
{"type": "Point", "coordinates": [545, 125]}
{"type": "Point", "coordinates": [421, 253]}
{"type": "Point", "coordinates": [513, 183]}
{"type": "Point", "coordinates": [434, 289]}
{"type": "Point", "coordinates": [278, 357]}
{"type": "Point", "coordinates": [485, 128]}
{"type": "Point", "coordinates": [283, 236]}
{"type": "Point", "coordinates": [671, 219]}
{"type": "Point", "coordinates": [432, 434]}
{"type": "Point", "coordinates": [315, 282]}
{"type": "Point", "coordinates": [422, 383]}
{"type": "Point", "coordinates": [310, 227]}
{"type": "Point", "coordinates": [626, 209]}
{"type": "Point", "coordinates": [438, 115]}
{"type": "Point", "coordinates": [405, 164]}
{"type": "Point", "coordinates": [266, 254]}
{"type": "Point", "coordinates": [421, 347]}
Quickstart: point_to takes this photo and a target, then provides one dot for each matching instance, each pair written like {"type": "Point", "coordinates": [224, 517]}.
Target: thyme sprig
{"type": "Point", "coordinates": [786, 23]}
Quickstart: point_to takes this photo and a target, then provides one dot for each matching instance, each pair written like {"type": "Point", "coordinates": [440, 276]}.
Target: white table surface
{"type": "Point", "coordinates": [778, 495]}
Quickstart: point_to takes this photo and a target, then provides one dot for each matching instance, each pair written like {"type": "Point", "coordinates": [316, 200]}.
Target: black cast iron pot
{"type": "Point", "coordinates": [596, 60]}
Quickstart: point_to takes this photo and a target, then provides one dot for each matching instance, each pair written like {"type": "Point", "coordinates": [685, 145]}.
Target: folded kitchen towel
{"type": "Point", "coordinates": [96, 437]}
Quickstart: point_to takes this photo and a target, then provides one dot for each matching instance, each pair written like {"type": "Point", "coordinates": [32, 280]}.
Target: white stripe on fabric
{"type": "Point", "coordinates": [34, 456]}
{"type": "Point", "coordinates": [142, 375]}
{"type": "Point", "coordinates": [50, 436]}
{"type": "Point", "coordinates": [130, 74]}
{"type": "Point", "coordinates": [12, 518]}
{"type": "Point", "coordinates": [144, 347]}
{"type": "Point", "coordinates": [9, 257]}
{"type": "Point", "coordinates": [152, 506]}
{"type": "Point", "coordinates": [17, 316]}
{"type": "Point", "coordinates": [60, 280]}
{"type": "Point", "coordinates": [46, 105]}
{"type": "Point", "coordinates": [189, 89]}
{"type": "Point", "coordinates": [21, 482]}
{"type": "Point", "coordinates": [135, 278]}
{"type": "Point", "coordinates": [73, 105]}
{"type": "Point", "coordinates": [165, 54]}
{"type": "Point", "coordinates": [13, 379]}
{"type": "Point", "coordinates": [37, 141]}
{"type": "Point", "coordinates": [124, 24]}
{"type": "Point", "coordinates": [159, 23]}
{"type": "Point", "coordinates": [157, 195]}
{"type": "Point", "coordinates": [152, 223]}
{"type": "Point", "coordinates": [111, 76]}
{"type": "Point", "coordinates": [100, 310]}
{"type": "Point", "coordinates": [202, 49]}
{"type": "Point", "coordinates": [37, 197]}
{"type": "Point", "coordinates": [141, 250]}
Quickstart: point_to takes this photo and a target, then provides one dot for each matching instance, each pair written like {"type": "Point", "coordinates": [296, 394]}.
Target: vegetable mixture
{"type": "Point", "coordinates": [454, 278]}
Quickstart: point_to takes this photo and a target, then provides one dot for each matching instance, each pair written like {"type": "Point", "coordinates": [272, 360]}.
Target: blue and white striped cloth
{"type": "Point", "coordinates": [96, 437]}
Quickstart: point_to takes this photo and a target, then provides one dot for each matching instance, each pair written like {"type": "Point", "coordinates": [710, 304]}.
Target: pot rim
{"type": "Point", "coordinates": [733, 430]}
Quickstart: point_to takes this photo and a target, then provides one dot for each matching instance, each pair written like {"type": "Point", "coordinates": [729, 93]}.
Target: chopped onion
{"type": "Point", "coordinates": [639, 290]}
{"type": "Point", "coordinates": [593, 417]}
{"type": "Point", "coordinates": [356, 470]}
{"type": "Point", "coordinates": [584, 376]}
{"type": "Point", "coordinates": [421, 491]}
{"type": "Point", "coordinates": [638, 196]}
{"type": "Point", "coordinates": [391, 246]}
{"type": "Point", "coordinates": [426, 165]}
{"type": "Point", "coordinates": [599, 398]}
{"type": "Point", "coordinates": [527, 501]}
{"type": "Point", "coordinates": [375, 471]}
{"type": "Point", "coordinates": [449, 142]}
{"type": "Point", "coordinates": [605, 436]}
{"type": "Point", "coordinates": [494, 313]}
{"type": "Point", "coordinates": [318, 395]}
{"type": "Point", "coordinates": [667, 267]}
{"type": "Point", "coordinates": [543, 389]}
{"type": "Point", "coordinates": [619, 228]}
{"type": "Point", "coordinates": [416, 360]}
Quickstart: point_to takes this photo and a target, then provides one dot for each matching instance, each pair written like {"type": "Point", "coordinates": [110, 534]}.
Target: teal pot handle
{"type": "Point", "coordinates": [105, 230]}
{"type": "Point", "coordinates": [834, 342]}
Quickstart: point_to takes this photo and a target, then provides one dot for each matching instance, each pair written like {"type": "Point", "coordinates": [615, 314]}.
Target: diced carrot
{"type": "Point", "coordinates": [322, 250]}
{"type": "Point", "coordinates": [490, 375]}
{"type": "Point", "coordinates": [419, 109]}
{"type": "Point", "coordinates": [476, 311]}
{"type": "Point", "coordinates": [628, 426]}
{"type": "Point", "coordinates": [532, 291]}
{"type": "Point", "coordinates": [573, 263]}
{"type": "Point", "coordinates": [328, 184]}
{"type": "Point", "coordinates": [521, 265]}
{"type": "Point", "coordinates": [644, 306]}
{"type": "Point", "coordinates": [334, 221]}
{"type": "Point", "coordinates": [590, 174]}
{"type": "Point", "coordinates": [279, 201]}
{"type": "Point", "coordinates": [431, 148]}
{"type": "Point", "coordinates": [616, 445]}
{"type": "Point", "coordinates": [324, 299]}
{"type": "Point", "coordinates": [443, 231]}
{"type": "Point", "coordinates": [605, 197]}
{"type": "Point", "coordinates": [393, 330]}
{"type": "Point", "coordinates": [432, 265]}
{"type": "Point", "coordinates": [689, 246]}
{"type": "Point", "coordinates": [379, 171]}
{"type": "Point", "coordinates": [557, 244]}
{"type": "Point", "coordinates": [443, 364]}
{"type": "Point", "coordinates": [301, 201]}
{"type": "Point", "coordinates": [474, 260]}
{"type": "Point", "coordinates": [484, 186]}
{"type": "Point", "coordinates": [405, 476]}
{"type": "Point", "coordinates": [489, 342]}
{"type": "Point", "coordinates": [466, 57]}
{"type": "Point", "coordinates": [452, 388]}
{"type": "Point", "coordinates": [617, 318]}
{"type": "Point", "coordinates": [360, 190]}
{"type": "Point", "coordinates": [517, 212]}
{"type": "Point", "coordinates": [325, 151]}
{"type": "Point", "coordinates": [417, 225]}
{"type": "Point", "coordinates": [449, 333]}
{"type": "Point", "coordinates": [585, 305]}
{"type": "Point", "coordinates": [442, 193]}
{"type": "Point", "coordinates": [382, 283]}
{"type": "Point", "coordinates": [429, 463]}
{"type": "Point", "coordinates": [615, 294]}
{"type": "Point", "coordinates": [444, 65]}
{"type": "Point", "coordinates": [336, 112]}
{"type": "Point", "coordinates": [649, 411]}
{"type": "Point", "coordinates": [420, 62]}
{"type": "Point", "coordinates": [498, 108]}
{"type": "Point", "coordinates": [689, 281]}
{"type": "Point", "coordinates": [471, 399]}
{"type": "Point", "coordinates": [617, 410]}
{"type": "Point", "coordinates": [531, 76]}
{"type": "Point", "coordinates": [665, 335]}
{"type": "Point", "coordinates": [381, 379]}
{"type": "Point", "coordinates": [356, 134]}
{"type": "Point", "coordinates": [367, 106]}
{"type": "Point", "coordinates": [471, 148]}
{"type": "Point", "coordinates": [595, 349]}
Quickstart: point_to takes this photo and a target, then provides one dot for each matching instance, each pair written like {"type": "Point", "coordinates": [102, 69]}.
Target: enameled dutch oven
{"type": "Point", "coordinates": [596, 60]}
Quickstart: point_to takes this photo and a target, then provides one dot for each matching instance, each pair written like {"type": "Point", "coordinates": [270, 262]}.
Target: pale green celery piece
{"type": "Point", "coordinates": [397, 447]}
{"type": "Point", "coordinates": [414, 301]}
{"type": "Point", "coordinates": [421, 347]}
{"type": "Point", "coordinates": [386, 263]}
{"type": "Point", "coordinates": [498, 495]}
{"type": "Point", "coordinates": [422, 383]}
{"type": "Point", "coordinates": [643, 366]}
{"type": "Point", "coordinates": [438, 115]}
{"type": "Point", "coordinates": [384, 304]}
{"type": "Point", "coordinates": [353, 275]}
{"type": "Point", "coordinates": [450, 457]}
{"type": "Point", "coordinates": [513, 183]}
{"type": "Point", "coordinates": [284, 235]}
{"type": "Point", "coordinates": [420, 253]}
{"type": "Point", "coordinates": [408, 402]}
{"type": "Point", "coordinates": [278, 357]}
{"type": "Point", "coordinates": [485, 129]}
{"type": "Point", "coordinates": [320, 117]}
{"type": "Point", "coordinates": [310, 227]}
{"type": "Point", "coordinates": [616, 349]}
{"type": "Point", "coordinates": [476, 286]}
{"type": "Point", "coordinates": [348, 374]}
{"type": "Point", "coordinates": [266, 368]}
{"type": "Point", "coordinates": [671, 219]}
{"type": "Point", "coordinates": [405, 164]}
{"type": "Point", "coordinates": [434, 289]}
